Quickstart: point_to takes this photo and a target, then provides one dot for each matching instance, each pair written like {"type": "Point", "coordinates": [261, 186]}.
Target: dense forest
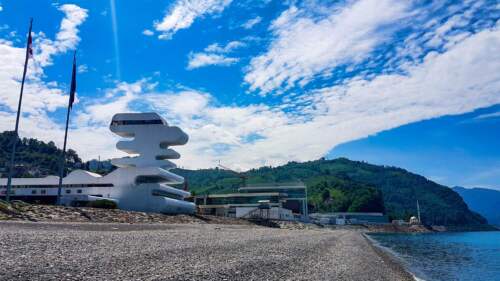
{"type": "Point", "coordinates": [34, 158]}
{"type": "Point", "coordinates": [345, 185]}
{"type": "Point", "coordinates": [333, 185]}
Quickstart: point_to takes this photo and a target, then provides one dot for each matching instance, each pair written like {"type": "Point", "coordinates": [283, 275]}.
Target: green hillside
{"type": "Point", "coordinates": [34, 158]}
{"type": "Point", "coordinates": [345, 185]}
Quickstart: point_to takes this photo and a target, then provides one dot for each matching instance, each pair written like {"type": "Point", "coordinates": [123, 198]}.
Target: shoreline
{"type": "Point", "coordinates": [20, 211]}
{"type": "Point", "coordinates": [390, 257]}
{"type": "Point", "coordinates": [428, 256]}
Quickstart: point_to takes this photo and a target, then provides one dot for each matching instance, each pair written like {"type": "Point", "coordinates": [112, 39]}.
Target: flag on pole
{"type": "Point", "coordinates": [73, 84]}
{"type": "Point", "coordinates": [30, 42]}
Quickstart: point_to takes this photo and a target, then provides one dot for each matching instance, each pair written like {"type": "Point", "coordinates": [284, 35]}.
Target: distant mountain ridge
{"type": "Point", "coordinates": [483, 201]}
{"type": "Point", "coordinates": [342, 184]}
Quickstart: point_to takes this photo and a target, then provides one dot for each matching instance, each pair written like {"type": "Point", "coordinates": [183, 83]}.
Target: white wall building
{"type": "Point", "coordinates": [141, 182]}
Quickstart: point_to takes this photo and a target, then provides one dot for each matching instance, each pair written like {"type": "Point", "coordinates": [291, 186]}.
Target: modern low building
{"type": "Point", "coordinates": [295, 198]}
{"type": "Point", "coordinates": [342, 218]}
{"type": "Point", "coordinates": [140, 183]}
{"type": "Point", "coordinates": [273, 201]}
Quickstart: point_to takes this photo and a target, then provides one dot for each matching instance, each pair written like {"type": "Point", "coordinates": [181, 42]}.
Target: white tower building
{"type": "Point", "coordinates": [141, 182]}
{"type": "Point", "coordinates": [147, 173]}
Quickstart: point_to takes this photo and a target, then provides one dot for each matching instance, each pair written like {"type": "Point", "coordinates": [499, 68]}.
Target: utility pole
{"type": "Point", "coordinates": [242, 176]}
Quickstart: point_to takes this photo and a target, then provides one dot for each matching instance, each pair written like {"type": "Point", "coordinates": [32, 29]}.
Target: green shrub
{"type": "Point", "coordinates": [20, 205]}
{"type": "Point", "coordinates": [5, 207]}
{"type": "Point", "coordinates": [102, 204]}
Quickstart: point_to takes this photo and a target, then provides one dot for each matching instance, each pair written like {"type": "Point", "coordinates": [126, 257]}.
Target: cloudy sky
{"type": "Point", "coordinates": [409, 83]}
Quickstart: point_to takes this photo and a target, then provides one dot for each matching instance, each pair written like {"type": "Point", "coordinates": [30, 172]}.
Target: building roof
{"type": "Point", "coordinates": [138, 116]}
{"type": "Point", "coordinates": [296, 184]}
{"type": "Point", "coordinates": [75, 177]}
{"type": "Point", "coordinates": [241, 195]}
{"type": "Point", "coordinates": [273, 186]}
{"type": "Point", "coordinates": [346, 214]}
{"type": "Point", "coordinates": [211, 206]}
{"type": "Point", "coordinates": [82, 174]}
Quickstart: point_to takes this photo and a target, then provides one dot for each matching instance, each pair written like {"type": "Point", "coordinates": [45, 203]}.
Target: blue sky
{"type": "Point", "coordinates": [452, 150]}
{"type": "Point", "coordinates": [414, 84]}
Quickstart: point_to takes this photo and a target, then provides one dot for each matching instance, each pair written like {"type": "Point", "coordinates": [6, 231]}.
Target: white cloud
{"type": "Point", "coordinates": [214, 54]}
{"type": "Point", "coordinates": [183, 13]}
{"type": "Point", "coordinates": [308, 45]}
{"type": "Point", "coordinates": [1, 8]}
{"type": "Point", "coordinates": [488, 115]}
{"type": "Point", "coordinates": [462, 79]}
{"type": "Point", "coordinates": [100, 111]}
{"type": "Point", "coordinates": [41, 98]}
{"type": "Point", "coordinates": [251, 22]}
{"type": "Point", "coordinates": [147, 32]}
{"type": "Point", "coordinates": [197, 60]}
{"type": "Point", "coordinates": [231, 46]}
{"type": "Point", "coordinates": [66, 39]}
{"type": "Point", "coordinates": [83, 68]}
{"type": "Point", "coordinates": [458, 81]}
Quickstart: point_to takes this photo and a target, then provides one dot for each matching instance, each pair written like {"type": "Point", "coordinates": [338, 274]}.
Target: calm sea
{"type": "Point", "coordinates": [447, 256]}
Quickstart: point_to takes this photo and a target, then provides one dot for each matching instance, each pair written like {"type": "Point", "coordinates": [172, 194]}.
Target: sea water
{"type": "Point", "coordinates": [447, 256]}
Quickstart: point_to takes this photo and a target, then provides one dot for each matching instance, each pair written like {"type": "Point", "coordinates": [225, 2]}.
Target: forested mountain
{"type": "Point", "coordinates": [345, 185]}
{"type": "Point", "coordinates": [34, 158]}
{"type": "Point", "coordinates": [482, 200]}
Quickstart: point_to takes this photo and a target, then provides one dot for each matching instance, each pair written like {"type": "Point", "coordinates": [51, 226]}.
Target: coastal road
{"type": "Point", "coordinates": [62, 251]}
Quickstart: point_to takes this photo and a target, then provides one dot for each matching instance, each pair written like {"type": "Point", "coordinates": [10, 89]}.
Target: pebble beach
{"type": "Point", "coordinates": [120, 251]}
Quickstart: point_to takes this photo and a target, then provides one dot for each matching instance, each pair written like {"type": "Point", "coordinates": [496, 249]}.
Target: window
{"type": "Point", "coordinates": [68, 191]}
{"type": "Point", "coordinates": [79, 191]}
{"type": "Point", "coordinates": [64, 185]}
{"type": "Point", "coordinates": [43, 191]}
{"type": "Point", "coordinates": [33, 191]}
{"type": "Point", "coordinates": [136, 122]}
{"type": "Point", "coordinates": [98, 185]}
{"type": "Point", "coordinates": [148, 179]}
{"type": "Point", "coordinates": [158, 192]}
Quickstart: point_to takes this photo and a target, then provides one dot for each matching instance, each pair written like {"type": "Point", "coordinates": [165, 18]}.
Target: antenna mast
{"type": "Point", "coordinates": [242, 176]}
{"type": "Point", "coordinates": [418, 212]}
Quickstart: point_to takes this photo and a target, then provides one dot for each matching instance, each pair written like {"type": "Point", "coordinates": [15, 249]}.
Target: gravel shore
{"type": "Point", "coordinates": [94, 251]}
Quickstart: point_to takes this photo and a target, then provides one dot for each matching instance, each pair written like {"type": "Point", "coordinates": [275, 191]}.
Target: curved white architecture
{"type": "Point", "coordinates": [141, 182]}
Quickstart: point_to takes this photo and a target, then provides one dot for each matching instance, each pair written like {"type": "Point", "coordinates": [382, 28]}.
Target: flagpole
{"type": "Point", "coordinates": [16, 136]}
{"type": "Point", "coordinates": [62, 160]}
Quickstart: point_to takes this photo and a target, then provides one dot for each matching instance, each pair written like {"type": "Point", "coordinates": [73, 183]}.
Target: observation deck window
{"type": "Point", "coordinates": [163, 193]}
{"type": "Point", "coordinates": [136, 122]}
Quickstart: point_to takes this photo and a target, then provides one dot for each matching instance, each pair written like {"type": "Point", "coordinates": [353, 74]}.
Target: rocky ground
{"type": "Point", "coordinates": [118, 251]}
{"type": "Point", "coordinates": [20, 211]}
